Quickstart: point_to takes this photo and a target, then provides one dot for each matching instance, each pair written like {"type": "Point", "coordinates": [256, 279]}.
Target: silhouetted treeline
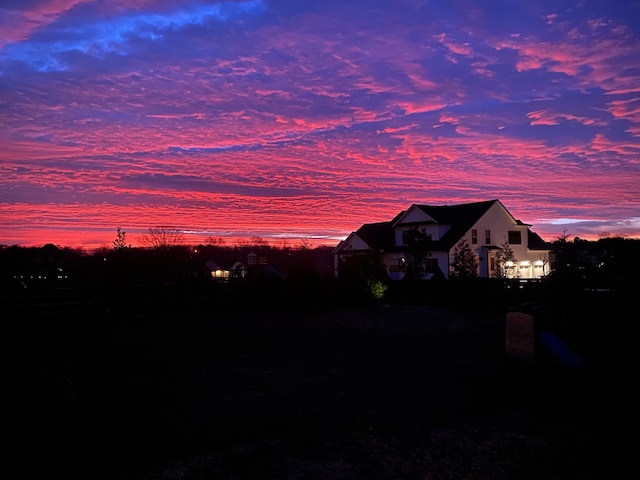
{"type": "Point", "coordinates": [175, 264]}
{"type": "Point", "coordinates": [117, 276]}
{"type": "Point", "coordinates": [607, 262]}
{"type": "Point", "coordinates": [264, 275]}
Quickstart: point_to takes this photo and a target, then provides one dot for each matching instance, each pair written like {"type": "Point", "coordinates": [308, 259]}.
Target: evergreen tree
{"type": "Point", "coordinates": [465, 264]}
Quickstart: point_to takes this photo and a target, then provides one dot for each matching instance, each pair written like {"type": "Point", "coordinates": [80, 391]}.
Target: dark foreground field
{"type": "Point", "coordinates": [384, 392]}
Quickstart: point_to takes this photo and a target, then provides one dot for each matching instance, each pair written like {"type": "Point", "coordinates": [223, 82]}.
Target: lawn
{"type": "Point", "coordinates": [378, 392]}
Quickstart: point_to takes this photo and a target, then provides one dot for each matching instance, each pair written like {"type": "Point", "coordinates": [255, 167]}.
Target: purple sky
{"type": "Point", "coordinates": [305, 119]}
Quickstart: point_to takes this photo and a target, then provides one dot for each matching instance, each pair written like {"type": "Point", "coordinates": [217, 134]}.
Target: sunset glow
{"type": "Point", "coordinates": [304, 120]}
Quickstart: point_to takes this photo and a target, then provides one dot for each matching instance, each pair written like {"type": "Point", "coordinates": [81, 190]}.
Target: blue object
{"type": "Point", "coordinates": [558, 349]}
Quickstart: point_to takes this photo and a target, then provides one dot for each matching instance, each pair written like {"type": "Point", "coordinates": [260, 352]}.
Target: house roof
{"type": "Point", "coordinates": [536, 242]}
{"type": "Point", "coordinates": [378, 236]}
{"type": "Point", "coordinates": [224, 265]}
{"type": "Point", "coordinates": [461, 218]}
{"type": "Point", "coordinates": [213, 266]}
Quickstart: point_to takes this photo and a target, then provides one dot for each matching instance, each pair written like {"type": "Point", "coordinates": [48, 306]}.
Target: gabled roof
{"type": "Point", "coordinates": [213, 266]}
{"type": "Point", "coordinates": [226, 265]}
{"type": "Point", "coordinates": [461, 218]}
{"type": "Point", "coordinates": [379, 236]}
{"type": "Point", "coordinates": [536, 242]}
{"type": "Point", "coordinates": [370, 236]}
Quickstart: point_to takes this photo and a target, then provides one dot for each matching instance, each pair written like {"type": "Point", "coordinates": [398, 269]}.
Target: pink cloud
{"type": "Point", "coordinates": [18, 25]}
{"type": "Point", "coordinates": [627, 110]}
{"type": "Point", "coordinates": [592, 62]}
{"type": "Point", "coordinates": [541, 117]}
{"type": "Point", "coordinates": [462, 49]}
{"type": "Point", "coordinates": [420, 82]}
{"type": "Point", "coordinates": [293, 120]}
{"type": "Point", "coordinates": [544, 117]}
{"type": "Point", "coordinates": [448, 118]}
{"type": "Point", "coordinates": [15, 151]}
{"type": "Point", "coordinates": [480, 68]}
{"type": "Point", "coordinates": [631, 149]}
{"type": "Point", "coordinates": [420, 106]}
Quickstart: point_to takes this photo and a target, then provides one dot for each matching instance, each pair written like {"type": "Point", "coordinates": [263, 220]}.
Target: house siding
{"type": "Point", "coordinates": [497, 220]}
{"type": "Point", "coordinates": [392, 264]}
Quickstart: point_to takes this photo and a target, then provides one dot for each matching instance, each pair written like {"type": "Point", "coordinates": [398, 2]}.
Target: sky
{"type": "Point", "coordinates": [290, 120]}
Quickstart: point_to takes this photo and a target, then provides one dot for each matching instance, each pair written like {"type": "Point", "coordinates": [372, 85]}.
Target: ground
{"type": "Point", "coordinates": [377, 392]}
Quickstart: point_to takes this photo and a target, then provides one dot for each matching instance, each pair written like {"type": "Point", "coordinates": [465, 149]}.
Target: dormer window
{"type": "Point", "coordinates": [411, 235]}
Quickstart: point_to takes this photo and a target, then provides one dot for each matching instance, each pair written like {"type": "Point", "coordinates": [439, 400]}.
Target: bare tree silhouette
{"type": "Point", "coordinates": [506, 262]}
{"type": "Point", "coordinates": [163, 236]}
{"type": "Point", "coordinates": [120, 242]}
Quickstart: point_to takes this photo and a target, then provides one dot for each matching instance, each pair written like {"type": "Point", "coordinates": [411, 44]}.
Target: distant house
{"type": "Point", "coordinates": [223, 274]}
{"type": "Point", "coordinates": [486, 226]}
{"type": "Point", "coordinates": [256, 266]}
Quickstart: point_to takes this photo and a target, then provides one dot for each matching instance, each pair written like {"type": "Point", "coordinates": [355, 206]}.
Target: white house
{"type": "Point", "coordinates": [486, 226]}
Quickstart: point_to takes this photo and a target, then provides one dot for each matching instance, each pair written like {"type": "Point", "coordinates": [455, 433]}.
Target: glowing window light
{"type": "Point", "coordinates": [220, 274]}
